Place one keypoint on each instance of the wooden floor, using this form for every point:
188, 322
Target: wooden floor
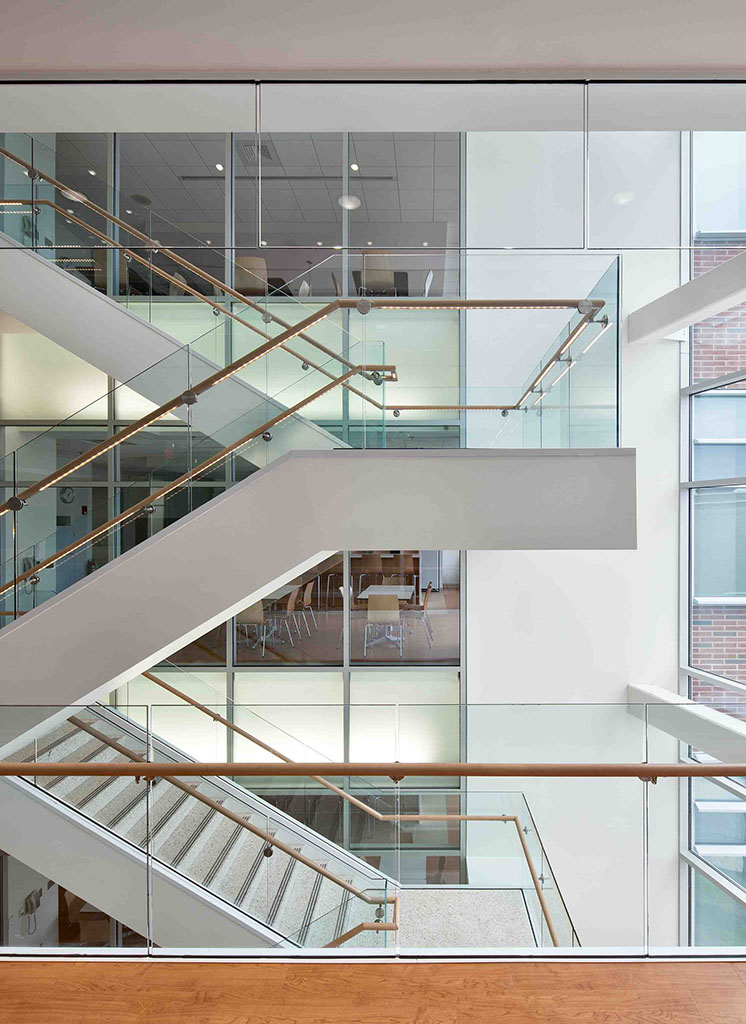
213, 993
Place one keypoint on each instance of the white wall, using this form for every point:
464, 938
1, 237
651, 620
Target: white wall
562, 626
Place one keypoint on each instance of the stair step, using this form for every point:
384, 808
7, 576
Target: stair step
272, 875
75, 788
166, 800
241, 869
172, 847
322, 926
298, 905
42, 745
205, 853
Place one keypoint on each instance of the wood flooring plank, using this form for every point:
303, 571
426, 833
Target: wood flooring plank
382, 993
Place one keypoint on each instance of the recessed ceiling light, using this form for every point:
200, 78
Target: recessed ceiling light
370, 243
262, 242
622, 198
209, 241
128, 211
426, 244
69, 211
319, 243
92, 172
219, 167
350, 202
354, 167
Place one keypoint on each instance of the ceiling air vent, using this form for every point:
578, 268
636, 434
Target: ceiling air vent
249, 152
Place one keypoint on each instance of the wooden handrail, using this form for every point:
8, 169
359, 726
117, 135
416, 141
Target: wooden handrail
388, 372
370, 810
138, 761
594, 305
188, 395
133, 254
395, 770
150, 243
280, 341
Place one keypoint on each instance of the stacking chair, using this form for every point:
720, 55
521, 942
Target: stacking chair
370, 565
384, 622
419, 611
251, 275
330, 584
253, 617
307, 605
289, 616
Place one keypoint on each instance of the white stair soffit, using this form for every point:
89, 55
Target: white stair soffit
283, 520
116, 341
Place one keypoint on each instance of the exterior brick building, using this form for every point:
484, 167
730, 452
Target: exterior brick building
718, 632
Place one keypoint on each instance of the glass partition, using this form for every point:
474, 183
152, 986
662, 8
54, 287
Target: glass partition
546, 864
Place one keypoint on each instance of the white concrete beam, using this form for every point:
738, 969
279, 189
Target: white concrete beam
704, 728
720, 288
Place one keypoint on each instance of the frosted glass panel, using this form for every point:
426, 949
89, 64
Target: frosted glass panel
634, 189
524, 189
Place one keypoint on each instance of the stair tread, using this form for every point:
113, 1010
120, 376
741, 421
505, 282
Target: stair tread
241, 863
169, 847
298, 905
164, 799
259, 899
34, 748
204, 853
73, 789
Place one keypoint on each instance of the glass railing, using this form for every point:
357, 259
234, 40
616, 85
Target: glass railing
114, 242
157, 474
265, 875
554, 860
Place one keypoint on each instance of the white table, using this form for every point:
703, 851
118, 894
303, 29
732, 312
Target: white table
402, 593
282, 592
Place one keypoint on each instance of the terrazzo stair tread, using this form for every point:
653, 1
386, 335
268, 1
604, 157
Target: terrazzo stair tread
101, 797
165, 802
321, 928
172, 822
241, 868
75, 787
171, 847
258, 901
133, 811
298, 901
114, 808
205, 853
438, 917
75, 748
45, 744
80, 796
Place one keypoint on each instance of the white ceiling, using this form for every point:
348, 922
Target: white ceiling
513, 38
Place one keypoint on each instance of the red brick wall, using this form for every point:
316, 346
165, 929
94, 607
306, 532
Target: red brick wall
718, 344
719, 646
719, 633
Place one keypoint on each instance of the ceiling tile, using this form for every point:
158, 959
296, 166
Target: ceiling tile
445, 198
416, 198
415, 177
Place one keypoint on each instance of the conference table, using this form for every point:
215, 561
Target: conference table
402, 593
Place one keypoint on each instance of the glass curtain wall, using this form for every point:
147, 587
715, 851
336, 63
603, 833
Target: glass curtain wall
714, 518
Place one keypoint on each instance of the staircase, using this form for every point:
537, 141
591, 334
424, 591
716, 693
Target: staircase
266, 879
